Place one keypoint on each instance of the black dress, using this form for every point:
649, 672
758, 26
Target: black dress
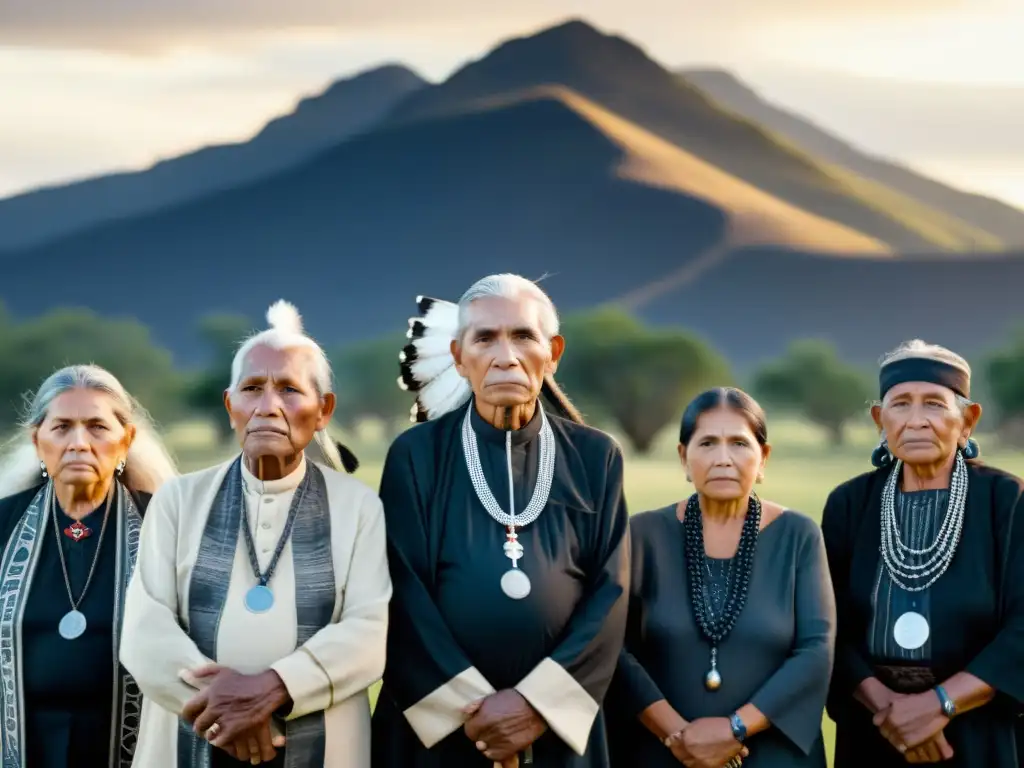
777, 657
448, 613
68, 685
975, 611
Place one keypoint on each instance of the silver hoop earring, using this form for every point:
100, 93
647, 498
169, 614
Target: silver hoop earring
42, 467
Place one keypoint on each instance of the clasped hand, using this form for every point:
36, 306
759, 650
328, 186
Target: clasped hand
914, 725
241, 707
502, 725
707, 742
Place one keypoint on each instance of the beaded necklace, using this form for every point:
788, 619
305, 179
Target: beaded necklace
715, 628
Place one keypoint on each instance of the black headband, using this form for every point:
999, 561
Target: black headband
923, 369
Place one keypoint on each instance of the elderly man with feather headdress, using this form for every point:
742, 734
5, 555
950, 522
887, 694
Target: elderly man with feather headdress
507, 538
257, 615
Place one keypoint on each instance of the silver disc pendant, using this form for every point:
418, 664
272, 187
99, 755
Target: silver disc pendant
259, 599
712, 680
72, 625
515, 584
911, 631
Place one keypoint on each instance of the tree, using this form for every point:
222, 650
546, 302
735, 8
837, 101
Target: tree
812, 380
638, 377
367, 375
35, 349
204, 393
1005, 374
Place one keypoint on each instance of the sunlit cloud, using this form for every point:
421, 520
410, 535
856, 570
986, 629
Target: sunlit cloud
154, 25
976, 46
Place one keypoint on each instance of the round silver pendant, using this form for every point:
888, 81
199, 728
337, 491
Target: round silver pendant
259, 599
72, 625
911, 631
515, 584
712, 680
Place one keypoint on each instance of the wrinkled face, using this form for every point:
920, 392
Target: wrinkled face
922, 422
81, 439
503, 352
723, 458
275, 410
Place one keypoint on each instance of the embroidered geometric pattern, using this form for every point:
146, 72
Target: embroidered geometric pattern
16, 570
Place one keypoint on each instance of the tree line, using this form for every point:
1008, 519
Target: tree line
619, 371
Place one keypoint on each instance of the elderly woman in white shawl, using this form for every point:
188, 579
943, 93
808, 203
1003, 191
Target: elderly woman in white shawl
257, 617
74, 484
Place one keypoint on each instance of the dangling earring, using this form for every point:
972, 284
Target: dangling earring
42, 466
759, 478
971, 450
880, 457
120, 468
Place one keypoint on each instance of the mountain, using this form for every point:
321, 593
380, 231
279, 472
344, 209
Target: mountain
533, 186
753, 303
546, 184
571, 155
619, 76
347, 107
993, 216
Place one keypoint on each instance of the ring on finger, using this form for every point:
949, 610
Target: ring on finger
212, 731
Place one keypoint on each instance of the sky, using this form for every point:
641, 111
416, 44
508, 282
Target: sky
92, 86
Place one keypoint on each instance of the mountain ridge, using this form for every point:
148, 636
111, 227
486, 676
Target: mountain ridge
504, 166
344, 108
988, 213
620, 76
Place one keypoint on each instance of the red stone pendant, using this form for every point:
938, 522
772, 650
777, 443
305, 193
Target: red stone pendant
76, 531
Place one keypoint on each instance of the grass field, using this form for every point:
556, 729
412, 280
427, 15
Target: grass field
803, 467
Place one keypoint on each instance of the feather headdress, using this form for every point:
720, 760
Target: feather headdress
428, 368
426, 362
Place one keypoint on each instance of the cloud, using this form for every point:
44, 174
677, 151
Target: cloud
900, 118
157, 24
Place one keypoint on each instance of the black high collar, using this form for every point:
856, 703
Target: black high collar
491, 433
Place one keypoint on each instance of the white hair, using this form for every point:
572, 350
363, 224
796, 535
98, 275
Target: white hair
508, 286
286, 332
148, 463
918, 349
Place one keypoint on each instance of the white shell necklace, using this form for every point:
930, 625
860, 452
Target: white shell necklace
899, 558
514, 583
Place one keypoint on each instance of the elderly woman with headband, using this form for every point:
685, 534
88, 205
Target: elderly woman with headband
73, 487
927, 560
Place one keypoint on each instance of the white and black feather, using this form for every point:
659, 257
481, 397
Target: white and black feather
426, 365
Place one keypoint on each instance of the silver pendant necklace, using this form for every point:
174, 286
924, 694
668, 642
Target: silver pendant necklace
260, 597
73, 624
514, 583
915, 570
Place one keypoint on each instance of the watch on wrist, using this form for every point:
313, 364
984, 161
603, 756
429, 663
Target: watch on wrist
948, 705
739, 730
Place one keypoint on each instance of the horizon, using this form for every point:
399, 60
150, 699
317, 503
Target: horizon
921, 102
